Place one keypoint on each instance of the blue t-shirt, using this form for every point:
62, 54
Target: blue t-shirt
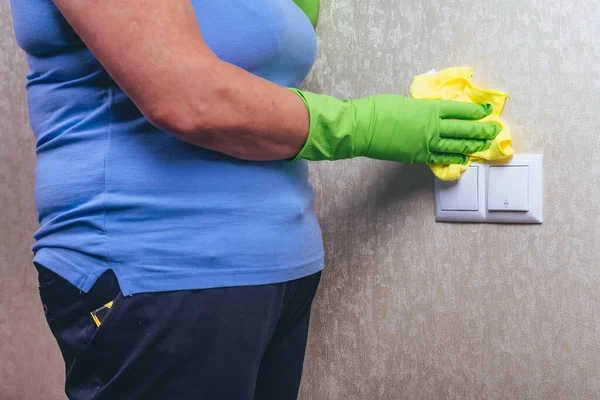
114, 192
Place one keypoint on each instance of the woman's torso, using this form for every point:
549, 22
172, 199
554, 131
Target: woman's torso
113, 191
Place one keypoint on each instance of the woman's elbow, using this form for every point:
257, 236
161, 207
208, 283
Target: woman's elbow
177, 118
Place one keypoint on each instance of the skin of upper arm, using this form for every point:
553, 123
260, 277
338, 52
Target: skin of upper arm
151, 48
146, 46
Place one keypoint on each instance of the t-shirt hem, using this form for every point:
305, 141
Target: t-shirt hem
69, 268
192, 281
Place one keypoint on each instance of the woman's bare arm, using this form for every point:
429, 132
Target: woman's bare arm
155, 52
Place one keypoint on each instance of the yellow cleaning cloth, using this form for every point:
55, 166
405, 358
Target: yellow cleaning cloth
456, 84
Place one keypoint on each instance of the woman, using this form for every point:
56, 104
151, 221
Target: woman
178, 250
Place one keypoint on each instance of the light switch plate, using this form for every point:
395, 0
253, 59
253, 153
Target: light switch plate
463, 190
535, 162
461, 195
526, 208
508, 188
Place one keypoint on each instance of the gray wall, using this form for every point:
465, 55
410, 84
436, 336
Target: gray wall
411, 309
407, 309
29, 358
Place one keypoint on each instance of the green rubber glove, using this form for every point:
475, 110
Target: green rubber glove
310, 8
395, 128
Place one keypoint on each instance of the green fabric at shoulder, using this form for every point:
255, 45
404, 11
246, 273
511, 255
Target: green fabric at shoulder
310, 8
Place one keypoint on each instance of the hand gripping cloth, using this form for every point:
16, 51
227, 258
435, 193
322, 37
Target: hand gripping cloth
457, 84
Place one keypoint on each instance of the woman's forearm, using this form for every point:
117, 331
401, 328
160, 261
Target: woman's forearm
236, 113
155, 52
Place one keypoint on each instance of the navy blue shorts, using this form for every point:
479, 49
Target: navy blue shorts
236, 343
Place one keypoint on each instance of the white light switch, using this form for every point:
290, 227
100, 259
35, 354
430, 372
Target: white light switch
508, 188
461, 195
468, 190
506, 191
449, 195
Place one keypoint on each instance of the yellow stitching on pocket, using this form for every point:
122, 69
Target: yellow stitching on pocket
98, 315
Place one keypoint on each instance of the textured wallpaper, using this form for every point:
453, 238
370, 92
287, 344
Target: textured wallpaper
30, 364
413, 309
408, 308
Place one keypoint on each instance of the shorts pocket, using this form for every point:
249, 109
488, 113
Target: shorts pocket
94, 333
